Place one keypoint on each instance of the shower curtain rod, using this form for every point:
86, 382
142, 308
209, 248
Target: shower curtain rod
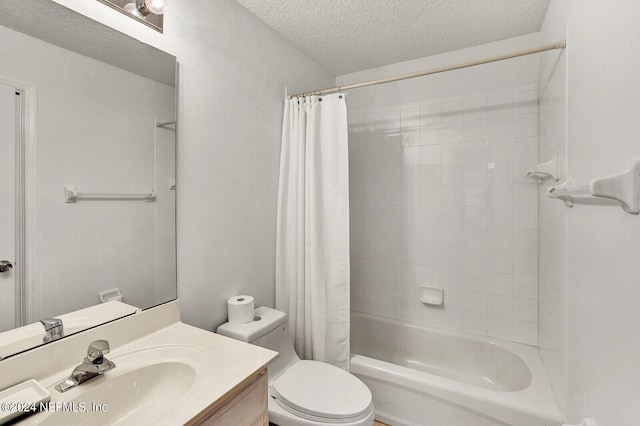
557, 45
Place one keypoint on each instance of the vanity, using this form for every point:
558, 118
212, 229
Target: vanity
166, 373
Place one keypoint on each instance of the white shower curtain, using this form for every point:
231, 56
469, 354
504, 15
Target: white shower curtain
312, 252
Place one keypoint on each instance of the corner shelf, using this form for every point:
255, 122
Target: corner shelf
623, 188
544, 171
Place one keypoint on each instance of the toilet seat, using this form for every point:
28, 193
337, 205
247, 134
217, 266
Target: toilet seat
322, 393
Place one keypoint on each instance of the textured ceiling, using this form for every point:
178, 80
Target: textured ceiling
353, 35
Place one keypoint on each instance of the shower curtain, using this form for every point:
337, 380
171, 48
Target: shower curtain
312, 249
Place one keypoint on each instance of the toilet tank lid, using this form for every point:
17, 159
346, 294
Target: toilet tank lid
265, 320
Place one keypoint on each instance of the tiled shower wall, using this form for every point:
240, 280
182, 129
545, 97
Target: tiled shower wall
553, 127
439, 198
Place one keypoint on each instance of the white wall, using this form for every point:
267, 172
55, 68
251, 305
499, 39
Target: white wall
95, 129
602, 371
233, 70
439, 195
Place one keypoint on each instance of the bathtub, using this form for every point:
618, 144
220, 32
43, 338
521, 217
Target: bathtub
427, 377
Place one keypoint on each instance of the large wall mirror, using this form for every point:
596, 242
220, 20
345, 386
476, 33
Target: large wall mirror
87, 174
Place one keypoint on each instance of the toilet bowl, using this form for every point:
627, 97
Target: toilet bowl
302, 392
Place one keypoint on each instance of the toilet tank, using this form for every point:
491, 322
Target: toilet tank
265, 320
268, 330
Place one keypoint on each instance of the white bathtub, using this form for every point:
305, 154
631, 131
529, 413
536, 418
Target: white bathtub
426, 377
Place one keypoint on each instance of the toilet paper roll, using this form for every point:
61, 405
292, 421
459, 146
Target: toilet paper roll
240, 309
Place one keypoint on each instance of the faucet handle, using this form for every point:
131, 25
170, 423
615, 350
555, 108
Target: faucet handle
50, 323
97, 350
53, 329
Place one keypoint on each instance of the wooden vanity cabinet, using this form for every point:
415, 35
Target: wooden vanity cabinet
246, 404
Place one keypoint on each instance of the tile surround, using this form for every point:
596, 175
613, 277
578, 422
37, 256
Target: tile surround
438, 197
553, 243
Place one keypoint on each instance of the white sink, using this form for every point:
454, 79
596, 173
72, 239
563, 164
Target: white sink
144, 388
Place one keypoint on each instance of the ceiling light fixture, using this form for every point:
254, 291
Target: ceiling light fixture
146, 7
149, 12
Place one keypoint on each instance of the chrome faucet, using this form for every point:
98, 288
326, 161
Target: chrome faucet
94, 364
53, 329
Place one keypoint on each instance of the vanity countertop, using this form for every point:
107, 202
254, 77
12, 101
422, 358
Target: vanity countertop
201, 367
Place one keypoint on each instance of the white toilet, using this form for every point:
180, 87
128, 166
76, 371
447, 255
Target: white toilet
309, 393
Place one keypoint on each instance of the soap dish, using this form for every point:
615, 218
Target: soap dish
21, 399
431, 295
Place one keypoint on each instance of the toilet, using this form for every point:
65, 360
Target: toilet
301, 392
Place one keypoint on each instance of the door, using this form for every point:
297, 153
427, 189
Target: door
8, 157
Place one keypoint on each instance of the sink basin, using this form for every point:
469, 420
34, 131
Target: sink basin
129, 398
144, 388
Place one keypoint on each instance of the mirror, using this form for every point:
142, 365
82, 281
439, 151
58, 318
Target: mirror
87, 173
